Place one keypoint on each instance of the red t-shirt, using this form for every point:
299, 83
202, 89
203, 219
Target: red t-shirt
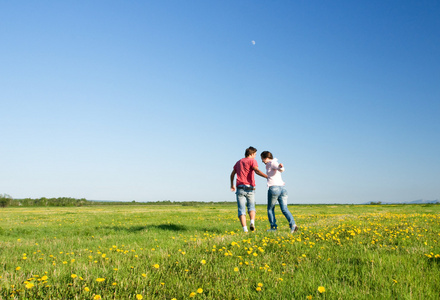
245, 171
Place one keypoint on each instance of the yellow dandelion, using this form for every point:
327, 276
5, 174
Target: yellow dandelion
44, 278
114, 283
174, 299
73, 276
139, 297
29, 285
203, 261
156, 266
17, 268
100, 280
260, 284
97, 297
321, 289
309, 297
199, 291
144, 275
235, 269
86, 289
258, 289
192, 294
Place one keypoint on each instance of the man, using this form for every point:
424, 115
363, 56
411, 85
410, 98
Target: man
245, 168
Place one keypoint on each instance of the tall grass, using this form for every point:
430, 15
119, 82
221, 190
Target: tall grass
167, 252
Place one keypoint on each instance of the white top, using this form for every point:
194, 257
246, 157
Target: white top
273, 172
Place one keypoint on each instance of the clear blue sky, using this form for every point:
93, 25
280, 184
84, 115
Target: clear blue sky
157, 100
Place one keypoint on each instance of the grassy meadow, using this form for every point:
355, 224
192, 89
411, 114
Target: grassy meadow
200, 252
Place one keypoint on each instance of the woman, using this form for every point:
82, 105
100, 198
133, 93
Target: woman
276, 192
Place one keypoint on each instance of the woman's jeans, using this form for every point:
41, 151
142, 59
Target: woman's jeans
278, 194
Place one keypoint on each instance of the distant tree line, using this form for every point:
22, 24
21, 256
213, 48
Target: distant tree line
376, 203
6, 200
162, 202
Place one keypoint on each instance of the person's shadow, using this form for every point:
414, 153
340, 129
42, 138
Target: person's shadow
170, 227
165, 227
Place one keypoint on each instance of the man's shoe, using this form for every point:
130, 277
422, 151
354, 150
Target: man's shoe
272, 230
252, 227
294, 229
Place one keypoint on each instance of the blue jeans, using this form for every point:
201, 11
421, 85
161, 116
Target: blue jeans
278, 194
245, 198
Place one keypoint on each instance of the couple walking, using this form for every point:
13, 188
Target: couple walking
244, 169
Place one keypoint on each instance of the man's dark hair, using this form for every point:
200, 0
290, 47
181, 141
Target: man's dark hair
266, 154
249, 151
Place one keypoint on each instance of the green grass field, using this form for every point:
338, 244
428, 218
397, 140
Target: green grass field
200, 252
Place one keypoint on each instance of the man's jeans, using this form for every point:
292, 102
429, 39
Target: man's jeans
245, 198
274, 194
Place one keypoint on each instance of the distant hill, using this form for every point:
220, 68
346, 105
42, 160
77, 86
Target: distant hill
421, 201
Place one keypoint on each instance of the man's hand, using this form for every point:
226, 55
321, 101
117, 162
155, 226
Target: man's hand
258, 172
232, 180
